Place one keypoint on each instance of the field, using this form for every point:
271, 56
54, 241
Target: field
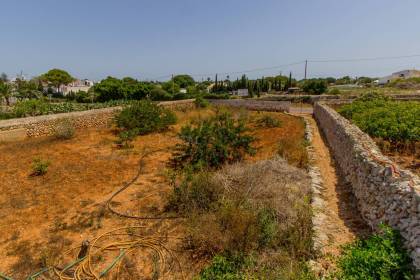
43, 217
395, 126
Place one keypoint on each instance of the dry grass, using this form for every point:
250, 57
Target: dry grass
246, 190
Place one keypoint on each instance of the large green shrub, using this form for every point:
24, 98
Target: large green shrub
315, 86
144, 117
379, 257
213, 142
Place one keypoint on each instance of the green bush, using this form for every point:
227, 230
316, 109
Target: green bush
144, 117
200, 102
159, 94
39, 167
381, 256
213, 142
315, 86
223, 268
334, 91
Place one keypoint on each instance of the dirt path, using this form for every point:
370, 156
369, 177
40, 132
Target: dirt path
342, 222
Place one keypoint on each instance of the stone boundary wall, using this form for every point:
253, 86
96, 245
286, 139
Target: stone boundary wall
18, 129
254, 105
384, 192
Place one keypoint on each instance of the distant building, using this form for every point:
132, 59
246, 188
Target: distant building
76, 86
240, 92
183, 90
405, 74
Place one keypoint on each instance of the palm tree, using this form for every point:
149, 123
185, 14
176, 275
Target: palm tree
6, 92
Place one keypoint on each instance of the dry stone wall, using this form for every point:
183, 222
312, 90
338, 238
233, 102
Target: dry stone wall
385, 193
255, 105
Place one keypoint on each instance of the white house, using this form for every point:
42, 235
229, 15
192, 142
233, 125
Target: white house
405, 74
76, 86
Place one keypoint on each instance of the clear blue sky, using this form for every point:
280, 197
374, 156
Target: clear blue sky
148, 39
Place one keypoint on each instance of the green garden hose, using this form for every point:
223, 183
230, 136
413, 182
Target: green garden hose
2, 276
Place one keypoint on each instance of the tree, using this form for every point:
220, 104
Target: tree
27, 89
109, 89
3, 77
171, 87
183, 80
57, 78
134, 89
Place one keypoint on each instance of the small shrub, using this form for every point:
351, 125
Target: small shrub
222, 268
141, 118
64, 129
268, 121
39, 167
381, 256
334, 91
201, 102
125, 138
159, 94
213, 142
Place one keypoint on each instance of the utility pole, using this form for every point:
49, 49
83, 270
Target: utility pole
306, 67
173, 86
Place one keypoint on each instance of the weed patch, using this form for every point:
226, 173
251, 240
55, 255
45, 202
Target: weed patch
39, 167
268, 121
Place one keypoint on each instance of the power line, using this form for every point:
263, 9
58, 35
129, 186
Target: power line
363, 59
298, 63
238, 72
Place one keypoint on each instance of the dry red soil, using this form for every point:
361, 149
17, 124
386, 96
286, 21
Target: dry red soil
42, 217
